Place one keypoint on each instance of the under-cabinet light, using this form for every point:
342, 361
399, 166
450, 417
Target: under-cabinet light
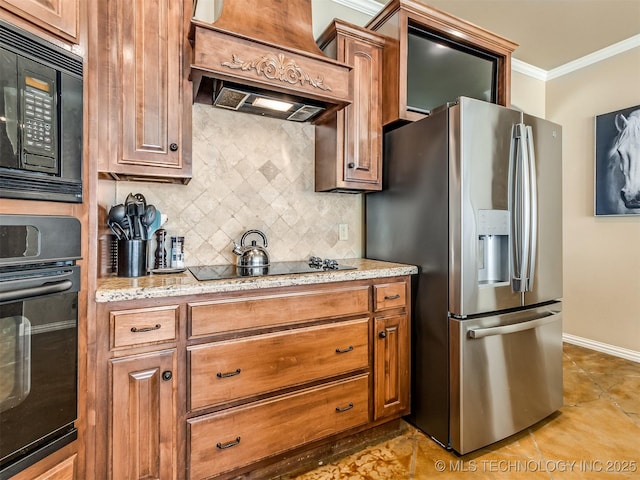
272, 104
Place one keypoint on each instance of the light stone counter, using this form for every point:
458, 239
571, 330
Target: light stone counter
111, 289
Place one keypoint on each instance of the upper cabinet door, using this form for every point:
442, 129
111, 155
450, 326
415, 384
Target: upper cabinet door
349, 142
363, 118
151, 131
59, 17
150, 35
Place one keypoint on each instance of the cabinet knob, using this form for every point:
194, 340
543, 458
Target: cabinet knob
382, 334
351, 165
167, 375
173, 147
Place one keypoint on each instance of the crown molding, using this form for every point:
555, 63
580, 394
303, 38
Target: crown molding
595, 57
370, 7
529, 70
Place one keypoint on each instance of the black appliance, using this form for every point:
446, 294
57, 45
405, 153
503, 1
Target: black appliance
39, 284
40, 119
222, 272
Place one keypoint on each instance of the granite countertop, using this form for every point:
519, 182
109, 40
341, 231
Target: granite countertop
111, 289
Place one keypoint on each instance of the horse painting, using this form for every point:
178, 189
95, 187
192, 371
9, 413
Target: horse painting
618, 163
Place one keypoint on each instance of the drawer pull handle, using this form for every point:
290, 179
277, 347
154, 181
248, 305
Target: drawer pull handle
230, 444
392, 297
228, 374
146, 329
344, 409
344, 350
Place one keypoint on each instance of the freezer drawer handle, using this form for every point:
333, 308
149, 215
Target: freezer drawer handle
516, 327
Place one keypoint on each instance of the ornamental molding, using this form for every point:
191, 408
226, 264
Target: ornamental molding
277, 67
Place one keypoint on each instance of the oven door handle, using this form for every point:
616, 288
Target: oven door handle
47, 288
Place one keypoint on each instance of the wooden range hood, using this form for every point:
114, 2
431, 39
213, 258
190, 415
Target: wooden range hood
265, 48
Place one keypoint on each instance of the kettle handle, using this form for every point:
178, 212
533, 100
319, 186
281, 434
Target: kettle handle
249, 232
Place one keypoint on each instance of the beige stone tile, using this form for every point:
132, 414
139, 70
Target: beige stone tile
251, 172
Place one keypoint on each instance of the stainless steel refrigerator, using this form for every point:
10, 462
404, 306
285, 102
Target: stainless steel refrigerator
473, 196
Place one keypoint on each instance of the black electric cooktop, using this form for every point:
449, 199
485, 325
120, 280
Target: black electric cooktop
220, 272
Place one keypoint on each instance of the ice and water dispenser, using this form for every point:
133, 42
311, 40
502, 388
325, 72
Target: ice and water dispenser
493, 246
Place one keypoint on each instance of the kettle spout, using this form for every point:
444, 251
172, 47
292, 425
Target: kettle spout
237, 248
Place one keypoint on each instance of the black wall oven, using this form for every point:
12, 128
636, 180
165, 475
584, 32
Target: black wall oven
40, 119
39, 284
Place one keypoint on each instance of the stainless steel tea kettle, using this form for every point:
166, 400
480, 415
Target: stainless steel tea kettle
252, 255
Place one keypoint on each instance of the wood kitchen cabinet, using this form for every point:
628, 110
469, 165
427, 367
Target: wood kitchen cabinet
232, 438
394, 21
392, 357
278, 369
228, 384
138, 417
349, 143
392, 363
147, 92
58, 17
143, 417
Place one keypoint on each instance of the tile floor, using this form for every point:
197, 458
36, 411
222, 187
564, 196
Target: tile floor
595, 435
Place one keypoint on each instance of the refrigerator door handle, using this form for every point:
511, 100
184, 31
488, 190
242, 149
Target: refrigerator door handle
545, 318
533, 208
520, 207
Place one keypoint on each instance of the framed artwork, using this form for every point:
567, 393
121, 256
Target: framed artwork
617, 165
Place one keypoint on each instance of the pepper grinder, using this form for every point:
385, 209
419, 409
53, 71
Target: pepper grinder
161, 249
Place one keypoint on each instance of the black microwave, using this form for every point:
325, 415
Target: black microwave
40, 119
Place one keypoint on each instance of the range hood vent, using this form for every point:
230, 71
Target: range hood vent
261, 52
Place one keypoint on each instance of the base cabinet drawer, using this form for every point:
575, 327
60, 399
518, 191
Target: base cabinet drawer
210, 318
224, 371
239, 436
389, 295
144, 325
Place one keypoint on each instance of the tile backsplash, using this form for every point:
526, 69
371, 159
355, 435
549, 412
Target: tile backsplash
253, 172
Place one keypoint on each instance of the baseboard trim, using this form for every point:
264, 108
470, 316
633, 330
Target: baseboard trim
602, 347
